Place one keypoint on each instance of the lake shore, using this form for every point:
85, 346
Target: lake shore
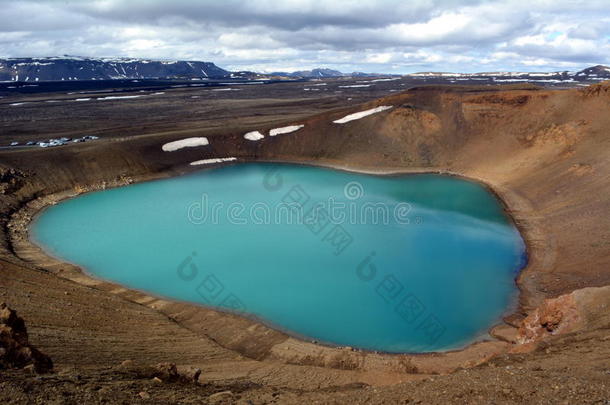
268, 342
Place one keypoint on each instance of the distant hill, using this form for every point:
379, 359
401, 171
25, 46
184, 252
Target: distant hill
82, 68
78, 68
322, 73
309, 74
594, 73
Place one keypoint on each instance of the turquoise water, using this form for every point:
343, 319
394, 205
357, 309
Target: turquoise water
397, 264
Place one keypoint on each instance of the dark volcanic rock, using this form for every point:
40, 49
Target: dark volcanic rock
11, 180
15, 350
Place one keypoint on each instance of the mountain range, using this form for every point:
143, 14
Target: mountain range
323, 73
78, 68
83, 68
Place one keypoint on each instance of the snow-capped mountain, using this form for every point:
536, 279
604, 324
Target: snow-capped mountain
77, 68
69, 68
595, 73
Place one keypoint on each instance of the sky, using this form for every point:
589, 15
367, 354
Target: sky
383, 36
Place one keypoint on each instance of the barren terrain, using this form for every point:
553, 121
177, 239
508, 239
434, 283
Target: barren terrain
544, 152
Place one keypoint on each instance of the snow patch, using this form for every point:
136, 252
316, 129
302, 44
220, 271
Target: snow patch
185, 143
354, 85
82, 99
254, 136
362, 114
285, 130
213, 160
534, 80
116, 97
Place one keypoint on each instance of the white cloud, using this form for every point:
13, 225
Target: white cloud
560, 48
391, 35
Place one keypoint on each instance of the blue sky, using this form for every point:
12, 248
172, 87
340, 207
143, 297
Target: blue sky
391, 36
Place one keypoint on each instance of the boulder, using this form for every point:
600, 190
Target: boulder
166, 372
189, 374
584, 309
15, 350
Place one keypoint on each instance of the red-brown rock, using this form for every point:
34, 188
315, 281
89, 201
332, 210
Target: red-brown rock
587, 308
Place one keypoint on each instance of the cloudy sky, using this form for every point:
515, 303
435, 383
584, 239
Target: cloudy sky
393, 36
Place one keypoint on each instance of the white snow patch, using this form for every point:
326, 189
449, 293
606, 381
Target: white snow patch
33, 63
254, 136
362, 114
355, 85
285, 130
16, 104
213, 160
158, 93
243, 84
117, 97
534, 80
185, 143
385, 80
82, 99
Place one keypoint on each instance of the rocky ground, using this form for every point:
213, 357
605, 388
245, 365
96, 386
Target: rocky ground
543, 152
571, 369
